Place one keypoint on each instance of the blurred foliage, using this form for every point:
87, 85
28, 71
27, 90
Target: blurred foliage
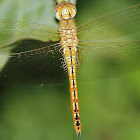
110, 109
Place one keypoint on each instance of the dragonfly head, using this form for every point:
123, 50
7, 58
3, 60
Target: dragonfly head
65, 11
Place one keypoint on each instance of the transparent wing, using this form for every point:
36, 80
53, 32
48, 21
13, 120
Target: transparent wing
21, 52
32, 63
111, 26
108, 59
11, 31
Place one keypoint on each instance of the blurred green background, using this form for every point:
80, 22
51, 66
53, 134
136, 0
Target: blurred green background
109, 108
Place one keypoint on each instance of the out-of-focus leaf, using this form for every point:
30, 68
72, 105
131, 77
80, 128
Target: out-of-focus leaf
25, 11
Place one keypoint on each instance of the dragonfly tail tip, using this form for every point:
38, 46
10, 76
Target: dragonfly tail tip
78, 135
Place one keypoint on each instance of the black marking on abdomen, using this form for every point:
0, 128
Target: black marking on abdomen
77, 123
77, 117
75, 107
73, 82
74, 94
72, 70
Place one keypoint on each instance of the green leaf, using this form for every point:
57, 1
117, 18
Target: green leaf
37, 12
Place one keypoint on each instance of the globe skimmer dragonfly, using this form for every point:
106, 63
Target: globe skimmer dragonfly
100, 39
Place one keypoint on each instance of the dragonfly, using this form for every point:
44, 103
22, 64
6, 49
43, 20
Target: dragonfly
70, 48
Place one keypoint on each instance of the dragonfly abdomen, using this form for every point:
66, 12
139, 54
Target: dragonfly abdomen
70, 56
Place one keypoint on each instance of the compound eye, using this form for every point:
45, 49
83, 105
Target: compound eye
57, 10
72, 8
58, 6
70, 5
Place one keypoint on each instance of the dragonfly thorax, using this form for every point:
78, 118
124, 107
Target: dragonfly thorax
65, 11
68, 33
